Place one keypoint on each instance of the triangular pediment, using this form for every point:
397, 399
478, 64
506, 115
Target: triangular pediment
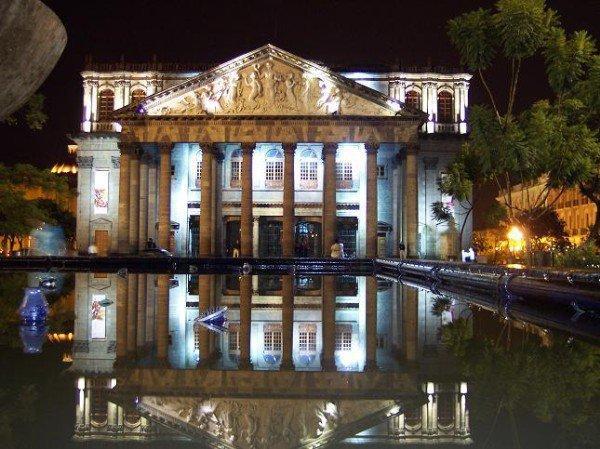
269, 81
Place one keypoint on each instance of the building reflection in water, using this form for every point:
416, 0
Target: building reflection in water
322, 359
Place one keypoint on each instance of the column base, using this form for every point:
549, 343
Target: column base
245, 365
328, 365
371, 365
287, 365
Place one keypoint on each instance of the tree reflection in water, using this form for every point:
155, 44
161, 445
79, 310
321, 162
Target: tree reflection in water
520, 383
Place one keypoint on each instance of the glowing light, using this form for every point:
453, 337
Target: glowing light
430, 388
516, 241
463, 388
330, 408
81, 383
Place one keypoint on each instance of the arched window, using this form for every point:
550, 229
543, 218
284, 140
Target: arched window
274, 169
309, 164
413, 99
236, 169
444, 107
106, 104
137, 95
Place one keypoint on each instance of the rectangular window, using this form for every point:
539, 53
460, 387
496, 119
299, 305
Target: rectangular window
274, 174
343, 340
272, 341
307, 341
344, 175
198, 173
382, 172
308, 175
234, 340
100, 199
98, 317
236, 174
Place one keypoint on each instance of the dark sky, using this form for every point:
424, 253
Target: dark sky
351, 33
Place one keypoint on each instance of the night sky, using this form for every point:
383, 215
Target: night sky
336, 33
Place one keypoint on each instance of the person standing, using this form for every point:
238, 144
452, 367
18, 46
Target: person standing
337, 250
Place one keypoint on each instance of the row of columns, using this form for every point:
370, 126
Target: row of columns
131, 319
134, 194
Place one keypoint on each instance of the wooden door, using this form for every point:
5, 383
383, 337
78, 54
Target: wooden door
101, 241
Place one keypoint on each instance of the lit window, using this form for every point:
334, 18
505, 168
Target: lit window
307, 338
445, 107
309, 165
274, 169
343, 340
137, 95
233, 340
236, 169
272, 341
106, 104
198, 175
343, 174
382, 172
413, 99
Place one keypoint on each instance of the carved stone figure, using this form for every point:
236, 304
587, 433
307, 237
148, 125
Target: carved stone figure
253, 81
270, 79
290, 95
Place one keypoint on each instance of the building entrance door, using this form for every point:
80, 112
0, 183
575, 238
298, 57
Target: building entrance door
270, 237
308, 239
101, 241
232, 237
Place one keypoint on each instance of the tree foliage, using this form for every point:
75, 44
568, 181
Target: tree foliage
554, 140
32, 114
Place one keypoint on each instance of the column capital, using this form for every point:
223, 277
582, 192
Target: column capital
330, 148
210, 147
372, 147
248, 147
165, 147
289, 147
412, 148
131, 148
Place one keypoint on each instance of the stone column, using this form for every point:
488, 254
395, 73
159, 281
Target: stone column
142, 305
255, 236
371, 209
328, 324
132, 296
329, 215
152, 197
204, 303
123, 219
121, 318
287, 322
411, 200
245, 321
287, 234
246, 213
371, 323
134, 201
162, 318
206, 200
410, 322
143, 208
164, 195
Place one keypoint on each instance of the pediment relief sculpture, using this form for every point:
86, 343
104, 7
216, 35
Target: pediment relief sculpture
270, 88
269, 81
273, 423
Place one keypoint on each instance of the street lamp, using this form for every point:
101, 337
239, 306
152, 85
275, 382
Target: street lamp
516, 239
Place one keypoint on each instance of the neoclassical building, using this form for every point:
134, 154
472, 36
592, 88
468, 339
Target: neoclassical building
269, 153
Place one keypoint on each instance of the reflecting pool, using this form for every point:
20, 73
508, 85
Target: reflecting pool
292, 361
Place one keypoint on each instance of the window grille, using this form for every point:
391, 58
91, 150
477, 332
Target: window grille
413, 99
272, 341
445, 107
137, 95
106, 104
344, 174
343, 340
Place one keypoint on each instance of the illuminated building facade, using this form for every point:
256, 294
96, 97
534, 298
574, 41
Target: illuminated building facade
268, 153
312, 360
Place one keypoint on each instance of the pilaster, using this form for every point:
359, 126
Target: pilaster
371, 208
206, 200
246, 230
164, 194
288, 234
329, 197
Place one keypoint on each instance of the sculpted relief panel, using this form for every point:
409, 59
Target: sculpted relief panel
270, 88
272, 423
